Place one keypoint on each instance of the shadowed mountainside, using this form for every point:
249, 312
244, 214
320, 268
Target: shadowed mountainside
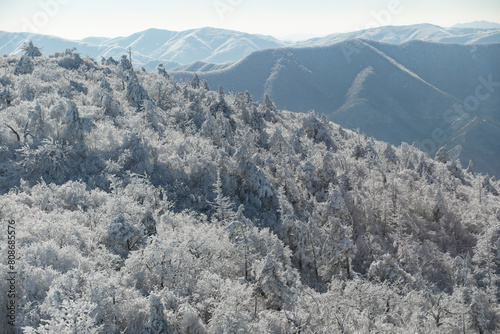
413, 92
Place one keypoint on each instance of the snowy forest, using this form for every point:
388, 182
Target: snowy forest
143, 204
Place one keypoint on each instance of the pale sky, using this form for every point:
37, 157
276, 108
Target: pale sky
76, 19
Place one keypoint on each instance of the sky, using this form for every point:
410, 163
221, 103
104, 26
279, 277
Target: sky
76, 19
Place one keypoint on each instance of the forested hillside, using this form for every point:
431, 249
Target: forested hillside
396, 93
146, 205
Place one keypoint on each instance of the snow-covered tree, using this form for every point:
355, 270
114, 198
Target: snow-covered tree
31, 50
162, 71
268, 103
121, 236
223, 209
136, 94
196, 82
157, 322
24, 66
125, 63
442, 155
275, 280
70, 59
73, 126
390, 154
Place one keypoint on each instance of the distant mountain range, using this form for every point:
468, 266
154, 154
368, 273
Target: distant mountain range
478, 25
396, 93
211, 45
395, 83
154, 46
422, 32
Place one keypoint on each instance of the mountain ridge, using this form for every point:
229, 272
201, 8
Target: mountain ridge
320, 78
214, 45
401, 34
478, 25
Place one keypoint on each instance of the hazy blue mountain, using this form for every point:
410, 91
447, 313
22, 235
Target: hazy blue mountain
478, 25
201, 66
402, 34
152, 65
393, 92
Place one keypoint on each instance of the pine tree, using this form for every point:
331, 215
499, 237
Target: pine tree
196, 82
136, 94
290, 231
222, 206
442, 155
31, 50
485, 260
73, 126
274, 282
390, 154
125, 63
24, 66
156, 323
470, 168
35, 126
162, 71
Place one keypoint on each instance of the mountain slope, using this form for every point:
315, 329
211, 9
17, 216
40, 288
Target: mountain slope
392, 92
138, 204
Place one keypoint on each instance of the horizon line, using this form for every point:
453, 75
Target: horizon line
281, 37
